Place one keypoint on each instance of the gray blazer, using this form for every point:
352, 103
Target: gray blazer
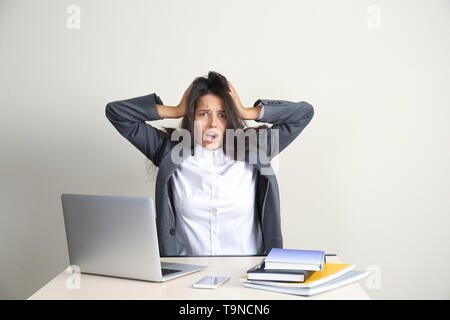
129, 116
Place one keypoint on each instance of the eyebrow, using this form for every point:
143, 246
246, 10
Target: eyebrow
221, 110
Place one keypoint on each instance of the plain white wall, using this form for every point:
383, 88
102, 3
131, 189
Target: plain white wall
368, 179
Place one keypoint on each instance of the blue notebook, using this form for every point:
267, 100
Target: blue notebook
290, 259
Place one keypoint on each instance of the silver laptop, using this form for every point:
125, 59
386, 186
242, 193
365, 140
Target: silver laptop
116, 236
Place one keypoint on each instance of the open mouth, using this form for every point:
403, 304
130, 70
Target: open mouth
211, 137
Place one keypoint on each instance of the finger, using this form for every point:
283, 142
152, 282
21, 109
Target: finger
190, 88
230, 87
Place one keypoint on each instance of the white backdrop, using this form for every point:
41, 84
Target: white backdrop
368, 179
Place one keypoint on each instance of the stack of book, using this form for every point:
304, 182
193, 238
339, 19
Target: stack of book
300, 272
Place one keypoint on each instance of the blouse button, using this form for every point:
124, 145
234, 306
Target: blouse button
172, 231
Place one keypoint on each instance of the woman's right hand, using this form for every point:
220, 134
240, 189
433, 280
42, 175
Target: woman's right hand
181, 107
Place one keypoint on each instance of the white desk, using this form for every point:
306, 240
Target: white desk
102, 287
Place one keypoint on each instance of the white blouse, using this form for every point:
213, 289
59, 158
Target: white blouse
214, 199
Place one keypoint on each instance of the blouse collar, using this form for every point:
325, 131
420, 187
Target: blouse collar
216, 156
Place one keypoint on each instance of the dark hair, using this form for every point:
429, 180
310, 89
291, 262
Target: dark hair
216, 84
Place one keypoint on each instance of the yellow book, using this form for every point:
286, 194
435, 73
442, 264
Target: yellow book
329, 272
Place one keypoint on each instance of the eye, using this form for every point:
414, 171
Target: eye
223, 115
202, 113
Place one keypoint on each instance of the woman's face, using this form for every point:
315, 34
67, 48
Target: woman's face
210, 121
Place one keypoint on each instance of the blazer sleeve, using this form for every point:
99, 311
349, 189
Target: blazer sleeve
289, 118
129, 116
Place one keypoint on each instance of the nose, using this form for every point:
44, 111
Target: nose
213, 121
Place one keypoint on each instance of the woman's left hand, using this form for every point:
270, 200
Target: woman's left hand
246, 113
235, 97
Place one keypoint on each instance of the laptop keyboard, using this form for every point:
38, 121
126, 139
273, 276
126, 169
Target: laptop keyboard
166, 271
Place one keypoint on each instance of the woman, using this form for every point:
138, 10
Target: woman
213, 201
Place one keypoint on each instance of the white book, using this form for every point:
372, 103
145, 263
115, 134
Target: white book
347, 278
